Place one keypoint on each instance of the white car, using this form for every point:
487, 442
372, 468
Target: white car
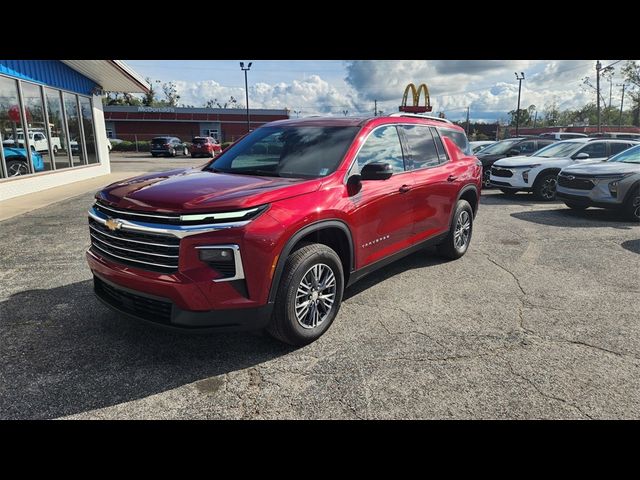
37, 139
480, 145
538, 173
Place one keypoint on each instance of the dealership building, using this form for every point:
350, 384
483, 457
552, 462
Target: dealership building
225, 124
52, 124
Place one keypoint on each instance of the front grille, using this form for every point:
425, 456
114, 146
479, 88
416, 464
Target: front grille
147, 251
575, 182
169, 218
158, 311
501, 172
226, 269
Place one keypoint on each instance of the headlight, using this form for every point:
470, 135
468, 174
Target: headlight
222, 217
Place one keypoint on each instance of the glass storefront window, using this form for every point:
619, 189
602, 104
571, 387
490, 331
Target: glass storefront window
73, 123
36, 126
15, 156
89, 132
58, 131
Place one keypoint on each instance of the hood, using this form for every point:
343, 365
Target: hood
12, 152
489, 159
602, 168
196, 190
523, 161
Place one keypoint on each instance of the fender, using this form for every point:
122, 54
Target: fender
544, 172
467, 187
295, 238
634, 188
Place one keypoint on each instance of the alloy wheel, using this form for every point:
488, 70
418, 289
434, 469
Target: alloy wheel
636, 207
548, 188
462, 230
315, 296
17, 168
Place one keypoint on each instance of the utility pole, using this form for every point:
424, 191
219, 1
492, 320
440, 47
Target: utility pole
598, 67
246, 91
519, 78
623, 85
468, 121
375, 108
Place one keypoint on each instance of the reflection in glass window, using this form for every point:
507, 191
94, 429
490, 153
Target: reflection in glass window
89, 131
422, 148
58, 132
15, 155
73, 123
383, 146
38, 135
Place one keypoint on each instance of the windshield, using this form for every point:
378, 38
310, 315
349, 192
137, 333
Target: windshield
631, 155
282, 151
501, 147
560, 149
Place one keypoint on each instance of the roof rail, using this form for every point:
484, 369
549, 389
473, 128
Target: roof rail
418, 115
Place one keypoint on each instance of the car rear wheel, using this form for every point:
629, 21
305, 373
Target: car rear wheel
185, 152
309, 295
545, 187
632, 207
457, 240
172, 152
575, 206
17, 167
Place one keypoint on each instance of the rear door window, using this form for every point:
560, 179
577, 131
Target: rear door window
422, 148
618, 147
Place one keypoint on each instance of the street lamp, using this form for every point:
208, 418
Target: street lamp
246, 91
519, 78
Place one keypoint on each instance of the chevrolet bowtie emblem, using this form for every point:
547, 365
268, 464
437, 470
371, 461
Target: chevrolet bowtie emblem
570, 177
113, 224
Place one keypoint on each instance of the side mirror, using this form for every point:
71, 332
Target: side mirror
376, 171
581, 156
513, 152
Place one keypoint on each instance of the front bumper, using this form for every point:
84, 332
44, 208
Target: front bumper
515, 182
163, 312
584, 200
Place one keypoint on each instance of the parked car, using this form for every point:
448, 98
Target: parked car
168, 146
538, 173
204, 147
562, 135
480, 145
18, 163
614, 184
37, 139
618, 135
260, 239
508, 148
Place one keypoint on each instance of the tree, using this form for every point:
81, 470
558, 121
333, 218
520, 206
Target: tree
551, 113
171, 94
631, 72
231, 103
149, 98
524, 117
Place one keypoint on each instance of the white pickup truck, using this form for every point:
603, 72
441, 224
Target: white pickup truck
37, 139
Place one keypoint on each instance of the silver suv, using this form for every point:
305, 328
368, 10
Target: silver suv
611, 184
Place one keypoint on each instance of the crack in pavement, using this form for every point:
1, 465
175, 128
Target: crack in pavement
547, 395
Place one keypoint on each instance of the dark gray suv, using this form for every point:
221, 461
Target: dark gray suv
168, 146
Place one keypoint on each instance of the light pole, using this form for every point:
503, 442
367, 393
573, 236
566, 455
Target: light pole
623, 85
246, 91
598, 68
519, 78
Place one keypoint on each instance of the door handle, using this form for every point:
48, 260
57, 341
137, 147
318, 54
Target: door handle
404, 188
451, 178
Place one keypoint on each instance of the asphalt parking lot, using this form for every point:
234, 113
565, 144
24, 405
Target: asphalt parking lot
540, 319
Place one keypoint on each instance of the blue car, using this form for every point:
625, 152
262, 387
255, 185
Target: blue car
17, 162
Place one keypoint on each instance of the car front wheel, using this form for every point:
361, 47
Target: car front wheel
457, 240
185, 152
545, 187
632, 207
17, 167
309, 295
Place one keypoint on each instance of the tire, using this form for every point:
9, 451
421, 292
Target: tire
544, 187
576, 206
631, 207
172, 152
299, 269
508, 192
16, 168
486, 174
55, 149
185, 152
154, 155
456, 243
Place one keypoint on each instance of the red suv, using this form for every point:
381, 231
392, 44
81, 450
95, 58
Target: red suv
271, 232
205, 147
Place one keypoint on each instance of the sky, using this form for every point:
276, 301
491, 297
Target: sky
329, 87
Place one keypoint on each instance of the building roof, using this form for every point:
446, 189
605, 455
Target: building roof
111, 75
